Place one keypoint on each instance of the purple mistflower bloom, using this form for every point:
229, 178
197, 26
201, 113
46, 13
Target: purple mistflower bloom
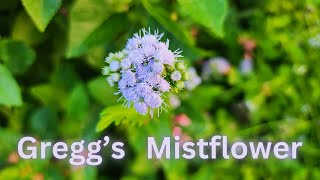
144, 71
153, 100
125, 64
141, 107
165, 56
149, 40
129, 94
136, 57
157, 67
134, 42
164, 86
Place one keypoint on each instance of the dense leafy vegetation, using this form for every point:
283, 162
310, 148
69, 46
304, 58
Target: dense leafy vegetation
265, 88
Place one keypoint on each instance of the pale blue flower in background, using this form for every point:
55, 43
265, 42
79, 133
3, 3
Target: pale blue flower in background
218, 64
315, 41
246, 66
194, 80
174, 101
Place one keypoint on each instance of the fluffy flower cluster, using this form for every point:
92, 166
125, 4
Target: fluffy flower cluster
144, 71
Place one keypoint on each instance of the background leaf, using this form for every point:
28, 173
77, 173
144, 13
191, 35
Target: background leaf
99, 90
71, 100
8, 143
43, 122
17, 56
76, 112
178, 35
10, 93
208, 13
163, 17
85, 17
24, 30
41, 11
104, 34
8, 5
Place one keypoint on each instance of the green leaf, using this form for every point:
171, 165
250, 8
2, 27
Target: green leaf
78, 104
163, 18
209, 13
105, 33
179, 36
8, 143
16, 117
24, 30
41, 11
10, 93
203, 96
50, 95
17, 56
43, 123
77, 112
65, 77
100, 91
119, 114
85, 17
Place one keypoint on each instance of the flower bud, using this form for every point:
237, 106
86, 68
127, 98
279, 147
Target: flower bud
170, 68
105, 70
186, 76
180, 85
181, 66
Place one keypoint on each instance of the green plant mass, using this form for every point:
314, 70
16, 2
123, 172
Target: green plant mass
146, 89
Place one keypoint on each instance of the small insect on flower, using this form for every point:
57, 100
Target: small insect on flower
144, 71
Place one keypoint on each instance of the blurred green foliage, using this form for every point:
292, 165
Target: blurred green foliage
52, 52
